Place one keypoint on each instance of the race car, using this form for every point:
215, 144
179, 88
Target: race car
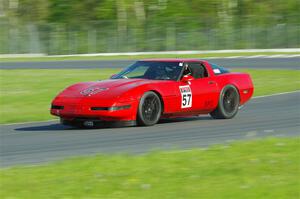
152, 89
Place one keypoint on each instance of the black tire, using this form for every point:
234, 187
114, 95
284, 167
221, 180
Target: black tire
149, 109
228, 104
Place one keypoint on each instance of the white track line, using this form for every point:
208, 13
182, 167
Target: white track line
256, 56
282, 56
291, 56
233, 57
275, 94
284, 50
276, 56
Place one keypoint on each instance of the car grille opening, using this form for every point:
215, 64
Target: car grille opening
99, 108
113, 108
57, 107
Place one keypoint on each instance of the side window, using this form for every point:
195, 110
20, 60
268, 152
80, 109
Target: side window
198, 70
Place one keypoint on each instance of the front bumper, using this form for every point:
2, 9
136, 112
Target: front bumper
114, 112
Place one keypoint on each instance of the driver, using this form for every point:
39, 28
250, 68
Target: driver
187, 70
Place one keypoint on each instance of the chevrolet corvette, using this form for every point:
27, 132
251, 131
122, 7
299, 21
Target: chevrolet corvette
152, 89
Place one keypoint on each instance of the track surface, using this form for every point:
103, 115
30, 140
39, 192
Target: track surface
34, 143
263, 63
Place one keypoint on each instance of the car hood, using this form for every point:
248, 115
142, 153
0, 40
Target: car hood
107, 89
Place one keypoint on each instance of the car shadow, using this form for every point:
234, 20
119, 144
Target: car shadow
60, 127
183, 119
47, 127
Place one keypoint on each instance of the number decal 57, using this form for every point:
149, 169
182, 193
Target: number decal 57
186, 96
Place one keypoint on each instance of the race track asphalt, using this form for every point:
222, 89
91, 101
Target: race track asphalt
257, 63
35, 143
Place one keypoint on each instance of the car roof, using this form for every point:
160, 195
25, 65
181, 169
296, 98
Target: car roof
173, 60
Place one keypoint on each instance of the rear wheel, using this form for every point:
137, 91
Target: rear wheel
149, 109
228, 103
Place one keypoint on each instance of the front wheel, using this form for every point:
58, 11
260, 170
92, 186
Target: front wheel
149, 109
228, 103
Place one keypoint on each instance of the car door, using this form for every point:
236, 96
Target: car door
200, 94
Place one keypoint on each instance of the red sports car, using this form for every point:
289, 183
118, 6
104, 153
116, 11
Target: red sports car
152, 89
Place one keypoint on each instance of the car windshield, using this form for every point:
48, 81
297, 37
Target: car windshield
151, 70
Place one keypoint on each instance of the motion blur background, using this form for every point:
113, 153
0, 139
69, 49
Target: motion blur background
183, 157
94, 26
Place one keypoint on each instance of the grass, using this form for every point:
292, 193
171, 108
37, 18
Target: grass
268, 168
135, 57
26, 94
268, 82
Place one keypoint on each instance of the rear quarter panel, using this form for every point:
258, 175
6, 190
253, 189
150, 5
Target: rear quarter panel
242, 81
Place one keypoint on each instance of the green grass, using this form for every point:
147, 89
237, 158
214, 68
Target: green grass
25, 95
273, 81
268, 168
135, 57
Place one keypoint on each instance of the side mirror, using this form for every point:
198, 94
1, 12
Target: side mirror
187, 78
